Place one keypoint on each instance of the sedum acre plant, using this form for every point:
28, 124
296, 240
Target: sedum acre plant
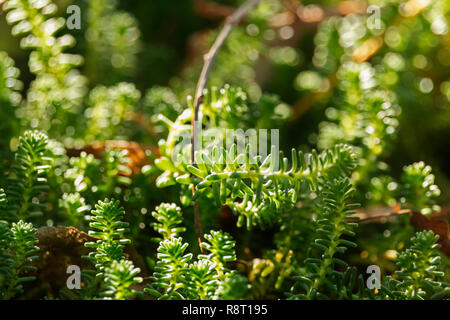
299, 159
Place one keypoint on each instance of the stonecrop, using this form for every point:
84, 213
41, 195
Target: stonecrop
361, 108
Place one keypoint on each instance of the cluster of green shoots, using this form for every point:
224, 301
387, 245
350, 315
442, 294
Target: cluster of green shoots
305, 202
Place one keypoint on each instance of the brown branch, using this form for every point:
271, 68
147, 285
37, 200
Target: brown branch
373, 45
137, 153
436, 221
55, 242
301, 18
438, 224
143, 121
301, 106
230, 22
365, 217
212, 10
63, 246
364, 52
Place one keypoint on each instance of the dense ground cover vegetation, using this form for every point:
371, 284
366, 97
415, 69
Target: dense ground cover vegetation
93, 174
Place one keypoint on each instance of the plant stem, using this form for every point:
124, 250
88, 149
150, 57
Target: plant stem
230, 22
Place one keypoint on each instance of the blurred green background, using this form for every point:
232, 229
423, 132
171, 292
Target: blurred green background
288, 56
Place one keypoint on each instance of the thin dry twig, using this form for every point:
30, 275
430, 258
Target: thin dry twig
212, 10
364, 52
437, 221
364, 217
230, 22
